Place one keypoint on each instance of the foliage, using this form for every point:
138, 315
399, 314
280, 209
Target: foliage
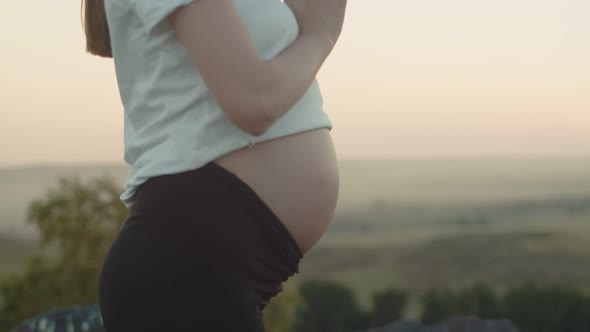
535, 309
328, 307
387, 306
531, 308
78, 221
437, 304
279, 314
477, 300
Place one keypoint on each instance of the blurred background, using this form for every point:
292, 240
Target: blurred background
463, 135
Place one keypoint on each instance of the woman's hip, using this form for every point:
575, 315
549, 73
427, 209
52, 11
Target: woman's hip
200, 222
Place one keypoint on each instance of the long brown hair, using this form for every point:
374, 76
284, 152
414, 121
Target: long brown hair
96, 28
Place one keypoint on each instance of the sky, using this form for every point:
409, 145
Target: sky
407, 79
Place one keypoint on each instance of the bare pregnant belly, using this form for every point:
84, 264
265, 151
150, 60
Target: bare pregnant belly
296, 176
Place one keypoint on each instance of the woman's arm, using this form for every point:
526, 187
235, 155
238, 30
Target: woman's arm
253, 93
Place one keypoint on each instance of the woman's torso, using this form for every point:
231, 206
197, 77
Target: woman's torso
296, 176
171, 127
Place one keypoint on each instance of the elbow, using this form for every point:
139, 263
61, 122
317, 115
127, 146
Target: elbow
253, 127
252, 115
257, 131
255, 121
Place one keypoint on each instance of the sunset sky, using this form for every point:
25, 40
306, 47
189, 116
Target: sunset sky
408, 79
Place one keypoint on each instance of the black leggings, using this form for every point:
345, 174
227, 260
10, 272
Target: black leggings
199, 251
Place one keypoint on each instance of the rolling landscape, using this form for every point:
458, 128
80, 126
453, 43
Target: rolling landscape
408, 224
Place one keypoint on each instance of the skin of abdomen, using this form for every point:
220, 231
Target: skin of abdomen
296, 176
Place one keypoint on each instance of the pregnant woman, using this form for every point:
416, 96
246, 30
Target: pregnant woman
233, 174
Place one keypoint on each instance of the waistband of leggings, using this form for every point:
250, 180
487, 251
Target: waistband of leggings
257, 202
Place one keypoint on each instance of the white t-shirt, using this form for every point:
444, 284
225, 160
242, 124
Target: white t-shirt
171, 122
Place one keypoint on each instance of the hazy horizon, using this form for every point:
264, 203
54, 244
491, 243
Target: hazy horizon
500, 158
413, 80
406, 186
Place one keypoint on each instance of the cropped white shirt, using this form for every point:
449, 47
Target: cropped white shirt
171, 122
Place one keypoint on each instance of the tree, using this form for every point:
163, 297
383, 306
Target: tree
478, 300
535, 309
279, 314
328, 307
77, 223
388, 306
437, 305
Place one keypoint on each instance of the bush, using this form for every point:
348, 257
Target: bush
535, 309
531, 308
328, 307
388, 306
